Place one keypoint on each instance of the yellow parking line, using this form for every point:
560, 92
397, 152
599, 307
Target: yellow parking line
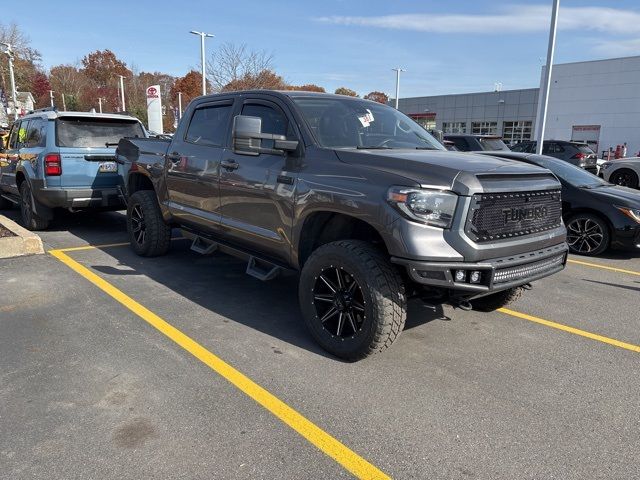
604, 267
575, 331
350, 460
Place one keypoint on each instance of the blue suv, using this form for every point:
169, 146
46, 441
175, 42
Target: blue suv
63, 160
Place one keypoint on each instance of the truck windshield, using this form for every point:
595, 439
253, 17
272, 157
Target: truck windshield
351, 123
86, 132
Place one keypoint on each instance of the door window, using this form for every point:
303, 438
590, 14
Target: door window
274, 120
13, 137
36, 133
209, 125
461, 143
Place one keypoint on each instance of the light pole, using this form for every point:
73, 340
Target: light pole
179, 105
546, 82
51, 97
64, 103
398, 70
202, 37
122, 92
13, 79
100, 104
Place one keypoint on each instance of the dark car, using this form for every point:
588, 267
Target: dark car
576, 153
476, 143
598, 215
355, 196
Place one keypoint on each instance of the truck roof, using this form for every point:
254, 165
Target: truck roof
290, 93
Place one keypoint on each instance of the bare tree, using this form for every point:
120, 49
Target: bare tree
231, 63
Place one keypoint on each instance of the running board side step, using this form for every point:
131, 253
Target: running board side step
262, 270
203, 246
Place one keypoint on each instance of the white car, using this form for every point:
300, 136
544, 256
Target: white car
624, 172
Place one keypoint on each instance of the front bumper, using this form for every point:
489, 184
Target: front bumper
626, 238
80, 197
495, 274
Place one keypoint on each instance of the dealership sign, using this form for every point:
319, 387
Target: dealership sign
154, 109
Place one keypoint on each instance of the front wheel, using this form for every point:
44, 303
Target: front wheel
490, 303
625, 178
352, 299
149, 235
587, 234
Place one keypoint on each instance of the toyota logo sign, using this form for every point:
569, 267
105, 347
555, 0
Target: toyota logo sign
152, 92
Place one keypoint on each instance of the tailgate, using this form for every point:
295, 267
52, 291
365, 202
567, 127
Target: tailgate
81, 167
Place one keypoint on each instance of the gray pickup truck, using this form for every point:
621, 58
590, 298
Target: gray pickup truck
362, 202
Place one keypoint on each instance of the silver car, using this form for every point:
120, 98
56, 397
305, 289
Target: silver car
624, 172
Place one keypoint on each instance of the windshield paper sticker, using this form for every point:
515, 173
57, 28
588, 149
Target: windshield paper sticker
366, 119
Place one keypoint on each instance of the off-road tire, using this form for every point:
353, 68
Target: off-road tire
381, 288
630, 174
497, 300
30, 219
156, 238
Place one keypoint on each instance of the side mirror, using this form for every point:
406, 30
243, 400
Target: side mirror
247, 137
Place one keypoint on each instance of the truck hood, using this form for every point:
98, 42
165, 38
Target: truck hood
463, 173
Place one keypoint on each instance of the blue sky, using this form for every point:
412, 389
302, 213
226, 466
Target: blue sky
445, 46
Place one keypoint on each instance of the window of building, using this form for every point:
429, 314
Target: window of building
516, 132
484, 128
454, 127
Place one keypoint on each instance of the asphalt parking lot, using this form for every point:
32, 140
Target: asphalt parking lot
113, 366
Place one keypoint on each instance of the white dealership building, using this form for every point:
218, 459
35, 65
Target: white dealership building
596, 101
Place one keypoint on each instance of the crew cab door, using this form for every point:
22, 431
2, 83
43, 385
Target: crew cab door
257, 192
193, 163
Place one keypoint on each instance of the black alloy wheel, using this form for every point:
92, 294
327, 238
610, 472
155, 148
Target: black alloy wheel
149, 235
587, 235
625, 178
138, 225
339, 302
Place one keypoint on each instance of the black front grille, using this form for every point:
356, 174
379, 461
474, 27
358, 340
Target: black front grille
499, 216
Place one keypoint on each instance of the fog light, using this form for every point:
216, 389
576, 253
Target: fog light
460, 275
475, 276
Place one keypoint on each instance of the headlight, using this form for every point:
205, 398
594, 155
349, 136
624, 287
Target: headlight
432, 207
633, 213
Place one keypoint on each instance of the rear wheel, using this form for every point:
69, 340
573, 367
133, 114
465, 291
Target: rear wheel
587, 234
149, 235
352, 299
497, 300
30, 219
625, 178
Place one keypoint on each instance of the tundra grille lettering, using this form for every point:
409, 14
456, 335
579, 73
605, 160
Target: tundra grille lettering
498, 216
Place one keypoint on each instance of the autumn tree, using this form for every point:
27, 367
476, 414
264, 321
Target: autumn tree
345, 91
306, 88
376, 96
26, 59
266, 79
190, 86
40, 87
71, 82
232, 63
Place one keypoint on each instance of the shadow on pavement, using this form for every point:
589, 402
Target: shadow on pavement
219, 284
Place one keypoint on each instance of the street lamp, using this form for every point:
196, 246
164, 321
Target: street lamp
202, 37
546, 82
9, 53
122, 92
179, 105
397, 70
100, 103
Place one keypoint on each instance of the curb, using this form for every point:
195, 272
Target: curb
22, 243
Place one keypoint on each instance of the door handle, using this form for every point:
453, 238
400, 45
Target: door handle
229, 165
174, 158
